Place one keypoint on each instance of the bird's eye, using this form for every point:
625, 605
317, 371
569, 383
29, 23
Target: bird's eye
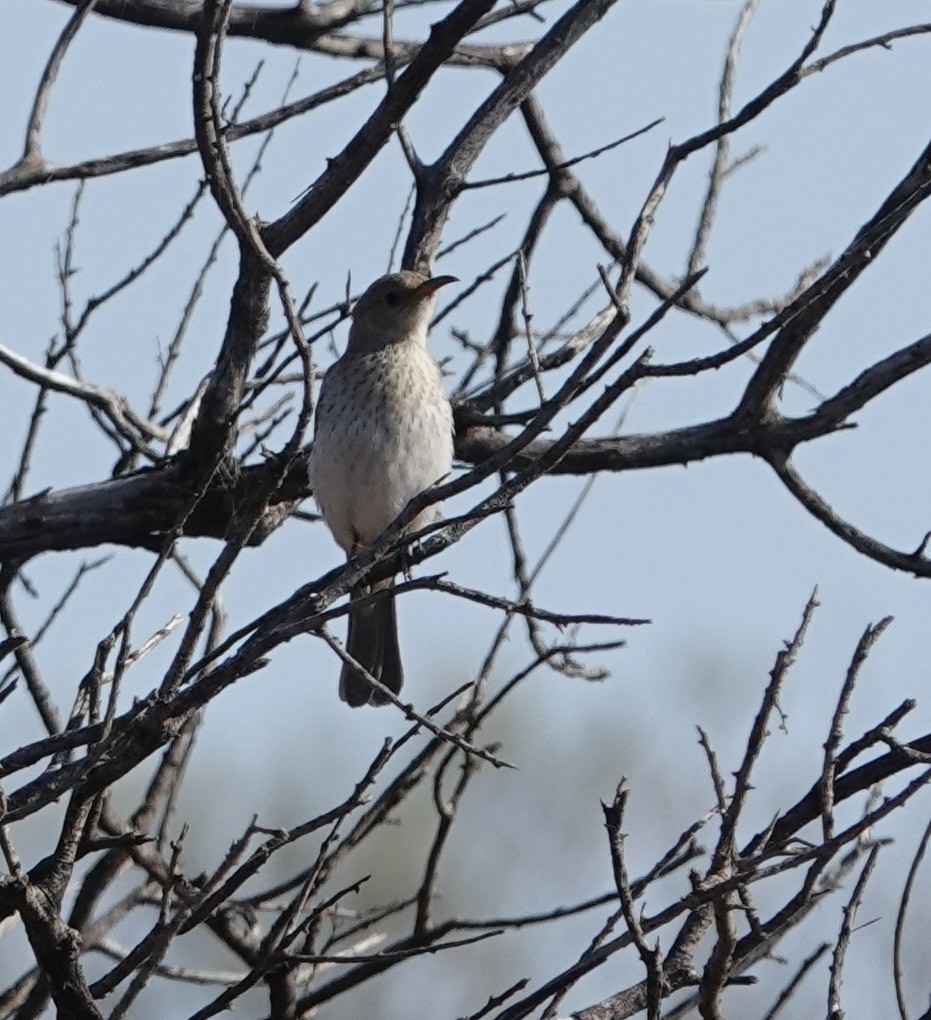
392, 298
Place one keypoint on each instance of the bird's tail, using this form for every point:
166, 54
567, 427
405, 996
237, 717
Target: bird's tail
373, 642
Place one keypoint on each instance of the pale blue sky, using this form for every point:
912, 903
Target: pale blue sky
718, 555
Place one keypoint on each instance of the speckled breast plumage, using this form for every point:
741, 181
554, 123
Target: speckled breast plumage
383, 434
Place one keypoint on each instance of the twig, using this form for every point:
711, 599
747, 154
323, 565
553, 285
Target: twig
843, 941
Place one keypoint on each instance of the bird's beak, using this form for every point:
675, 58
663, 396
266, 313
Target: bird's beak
432, 285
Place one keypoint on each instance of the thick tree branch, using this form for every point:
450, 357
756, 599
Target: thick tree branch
438, 185
796, 324
301, 26
344, 169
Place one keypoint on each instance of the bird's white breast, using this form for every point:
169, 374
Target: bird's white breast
384, 433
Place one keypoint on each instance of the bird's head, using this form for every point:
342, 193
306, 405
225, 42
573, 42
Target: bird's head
395, 308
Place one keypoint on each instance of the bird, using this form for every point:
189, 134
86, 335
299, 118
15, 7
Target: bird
383, 433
